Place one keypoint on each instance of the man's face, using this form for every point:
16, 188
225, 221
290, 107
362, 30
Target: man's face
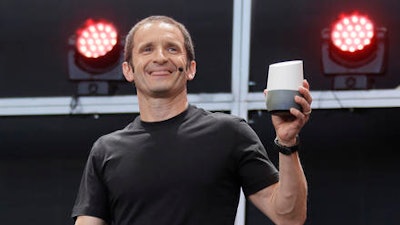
157, 55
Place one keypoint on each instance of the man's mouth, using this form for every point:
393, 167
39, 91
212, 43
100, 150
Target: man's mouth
160, 73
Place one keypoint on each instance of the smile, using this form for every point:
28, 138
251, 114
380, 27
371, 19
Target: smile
160, 73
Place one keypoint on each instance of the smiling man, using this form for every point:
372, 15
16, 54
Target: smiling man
179, 164
160, 69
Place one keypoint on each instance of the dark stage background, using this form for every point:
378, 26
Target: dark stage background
349, 155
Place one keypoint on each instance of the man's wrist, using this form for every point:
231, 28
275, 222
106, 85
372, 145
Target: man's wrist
289, 143
287, 149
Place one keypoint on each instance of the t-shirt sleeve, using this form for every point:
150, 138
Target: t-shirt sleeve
92, 195
256, 170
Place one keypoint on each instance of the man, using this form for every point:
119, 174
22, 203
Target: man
178, 164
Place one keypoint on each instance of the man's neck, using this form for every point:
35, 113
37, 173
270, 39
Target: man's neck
160, 109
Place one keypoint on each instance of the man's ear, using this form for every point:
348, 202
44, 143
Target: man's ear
128, 71
191, 73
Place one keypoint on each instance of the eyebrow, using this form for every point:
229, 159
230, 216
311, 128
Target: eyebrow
168, 43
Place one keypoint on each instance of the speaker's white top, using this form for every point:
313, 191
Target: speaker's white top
286, 75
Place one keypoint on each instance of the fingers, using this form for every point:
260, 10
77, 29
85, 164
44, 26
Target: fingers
306, 84
306, 100
308, 112
305, 91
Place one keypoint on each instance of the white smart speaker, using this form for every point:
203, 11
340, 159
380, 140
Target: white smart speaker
284, 79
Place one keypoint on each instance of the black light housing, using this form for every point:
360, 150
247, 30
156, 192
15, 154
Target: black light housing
353, 51
95, 57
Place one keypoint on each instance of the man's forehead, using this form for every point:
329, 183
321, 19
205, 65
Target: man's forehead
158, 24
162, 28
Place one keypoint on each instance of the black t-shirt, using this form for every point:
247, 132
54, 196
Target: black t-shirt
187, 170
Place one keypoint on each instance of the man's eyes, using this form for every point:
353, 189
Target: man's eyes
147, 49
173, 49
170, 49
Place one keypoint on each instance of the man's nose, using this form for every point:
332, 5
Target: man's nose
160, 56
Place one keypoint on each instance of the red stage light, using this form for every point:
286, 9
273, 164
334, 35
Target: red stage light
353, 49
96, 39
352, 33
95, 57
353, 39
97, 46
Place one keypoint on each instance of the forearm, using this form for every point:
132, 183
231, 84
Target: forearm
290, 197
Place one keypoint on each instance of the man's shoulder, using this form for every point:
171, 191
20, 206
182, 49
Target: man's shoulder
218, 118
215, 114
117, 134
106, 141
